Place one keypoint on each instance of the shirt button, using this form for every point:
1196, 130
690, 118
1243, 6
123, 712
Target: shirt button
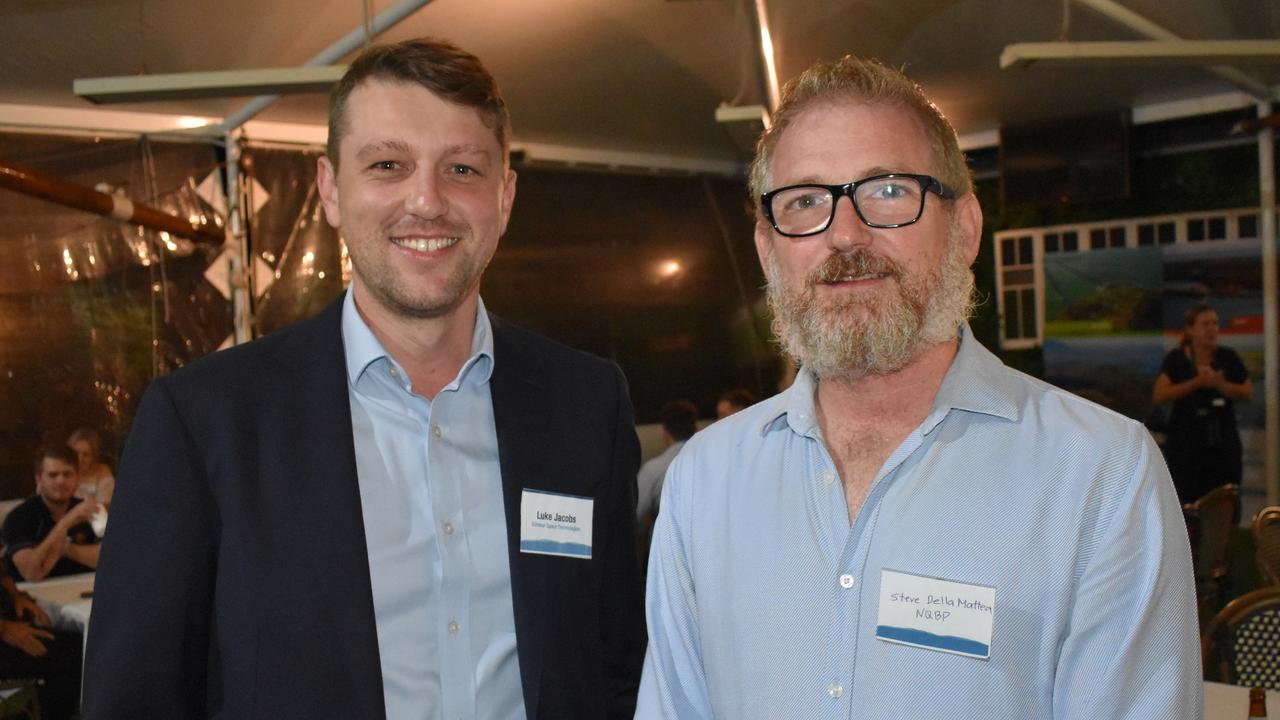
393, 372
448, 528
435, 431
453, 627
835, 690
846, 581
828, 477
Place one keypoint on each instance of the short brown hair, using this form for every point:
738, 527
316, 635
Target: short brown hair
441, 67
56, 452
679, 418
864, 81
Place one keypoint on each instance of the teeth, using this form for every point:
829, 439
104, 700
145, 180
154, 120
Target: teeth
430, 245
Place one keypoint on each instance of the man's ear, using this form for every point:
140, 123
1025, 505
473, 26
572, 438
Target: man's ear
327, 184
508, 198
968, 215
763, 236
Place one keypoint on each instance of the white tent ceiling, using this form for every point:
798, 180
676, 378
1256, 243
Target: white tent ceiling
637, 76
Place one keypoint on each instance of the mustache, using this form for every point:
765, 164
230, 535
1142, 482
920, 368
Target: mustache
855, 263
410, 225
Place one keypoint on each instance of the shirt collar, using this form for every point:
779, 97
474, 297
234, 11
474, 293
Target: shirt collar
976, 381
363, 349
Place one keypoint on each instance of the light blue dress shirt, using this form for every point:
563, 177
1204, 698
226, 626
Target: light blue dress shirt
763, 598
431, 496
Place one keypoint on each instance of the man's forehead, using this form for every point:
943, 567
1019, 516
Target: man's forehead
51, 465
385, 109
856, 136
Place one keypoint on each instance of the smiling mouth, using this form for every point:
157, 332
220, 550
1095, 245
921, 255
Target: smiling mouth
855, 278
425, 244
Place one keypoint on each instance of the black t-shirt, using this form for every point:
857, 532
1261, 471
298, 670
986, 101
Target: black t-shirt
27, 526
1205, 416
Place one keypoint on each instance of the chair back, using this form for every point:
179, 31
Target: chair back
1218, 513
1242, 643
1266, 543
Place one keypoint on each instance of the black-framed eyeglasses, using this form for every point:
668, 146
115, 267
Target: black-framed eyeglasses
881, 201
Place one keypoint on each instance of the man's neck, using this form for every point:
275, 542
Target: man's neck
863, 420
905, 393
56, 510
431, 350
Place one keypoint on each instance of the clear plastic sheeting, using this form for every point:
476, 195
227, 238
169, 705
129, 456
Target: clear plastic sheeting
289, 232
92, 308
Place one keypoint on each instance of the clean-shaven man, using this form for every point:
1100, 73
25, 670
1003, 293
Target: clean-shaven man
402, 508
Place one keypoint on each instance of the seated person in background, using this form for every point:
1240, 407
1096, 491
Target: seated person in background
734, 400
31, 649
96, 480
679, 421
49, 534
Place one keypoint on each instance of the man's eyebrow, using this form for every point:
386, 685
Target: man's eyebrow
469, 149
866, 173
380, 146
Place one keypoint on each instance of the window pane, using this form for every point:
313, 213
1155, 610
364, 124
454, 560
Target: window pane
1195, 230
1217, 228
1007, 249
1168, 233
1146, 234
1011, 315
1026, 276
1116, 236
1248, 226
1051, 242
1097, 239
1070, 243
1025, 256
1028, 313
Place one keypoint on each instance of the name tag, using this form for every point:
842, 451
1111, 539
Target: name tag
555, 524
936, 614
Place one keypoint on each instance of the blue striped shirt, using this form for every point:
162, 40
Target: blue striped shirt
764, 601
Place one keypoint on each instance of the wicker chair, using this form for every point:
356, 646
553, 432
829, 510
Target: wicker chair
1242, 644
1266, 542
1213, 518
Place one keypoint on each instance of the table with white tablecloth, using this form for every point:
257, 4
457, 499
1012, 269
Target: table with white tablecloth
68, 599
1231, 702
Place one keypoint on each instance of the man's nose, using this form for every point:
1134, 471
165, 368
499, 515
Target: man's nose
847, 231
424, 198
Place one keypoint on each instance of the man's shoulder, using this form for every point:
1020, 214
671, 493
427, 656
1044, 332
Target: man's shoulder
1042, 395
243, 365
23, 515
28, 506
515, 343
750, 426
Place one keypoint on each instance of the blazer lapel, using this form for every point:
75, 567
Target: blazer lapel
517, 397
328, 512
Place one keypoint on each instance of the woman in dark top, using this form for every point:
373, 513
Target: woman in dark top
1202, 379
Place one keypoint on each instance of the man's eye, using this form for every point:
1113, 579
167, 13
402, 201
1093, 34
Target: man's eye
462, 170
808, 201
890, 191
385, 165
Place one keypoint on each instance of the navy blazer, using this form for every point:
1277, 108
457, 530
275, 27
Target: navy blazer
234, 577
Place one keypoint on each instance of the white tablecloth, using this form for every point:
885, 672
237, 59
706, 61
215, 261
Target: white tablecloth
62, 598
1231, 702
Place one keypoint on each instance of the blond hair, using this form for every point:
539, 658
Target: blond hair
869, 81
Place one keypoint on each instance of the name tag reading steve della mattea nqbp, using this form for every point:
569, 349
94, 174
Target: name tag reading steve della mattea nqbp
555, 524
936, 614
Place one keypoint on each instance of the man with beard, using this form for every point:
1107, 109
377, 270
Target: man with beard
403, 507
911, 529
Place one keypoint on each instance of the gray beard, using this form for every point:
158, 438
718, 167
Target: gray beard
853, 337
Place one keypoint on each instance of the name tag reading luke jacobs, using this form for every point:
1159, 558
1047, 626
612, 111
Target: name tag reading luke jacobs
555, 524
937, 614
